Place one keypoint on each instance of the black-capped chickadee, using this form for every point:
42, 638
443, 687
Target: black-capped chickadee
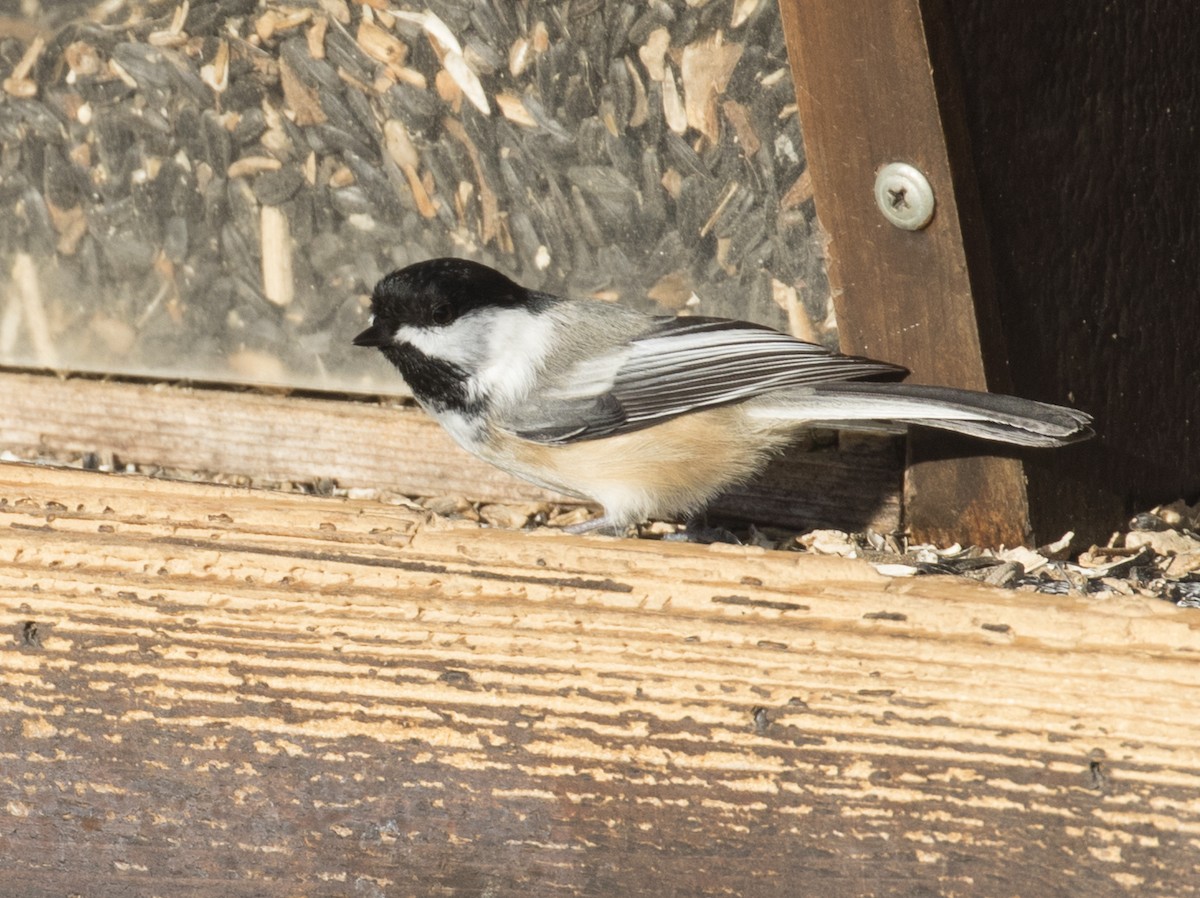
649, 416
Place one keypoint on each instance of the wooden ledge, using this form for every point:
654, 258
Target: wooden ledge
364, 444
209, 689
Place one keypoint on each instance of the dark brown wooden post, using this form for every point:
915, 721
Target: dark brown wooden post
867, 96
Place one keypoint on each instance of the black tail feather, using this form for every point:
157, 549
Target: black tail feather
989, 416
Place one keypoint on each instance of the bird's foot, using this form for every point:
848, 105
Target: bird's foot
602, 525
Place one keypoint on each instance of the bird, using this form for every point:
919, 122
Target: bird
649, 416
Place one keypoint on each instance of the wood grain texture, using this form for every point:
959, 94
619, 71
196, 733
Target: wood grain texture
364, 444
217, 691
867, 95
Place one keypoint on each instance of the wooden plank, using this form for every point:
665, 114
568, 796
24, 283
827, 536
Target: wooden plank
867, 96
399, 448
269, 436
212, 690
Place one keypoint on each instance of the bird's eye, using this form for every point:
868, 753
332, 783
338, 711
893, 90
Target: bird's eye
442, 313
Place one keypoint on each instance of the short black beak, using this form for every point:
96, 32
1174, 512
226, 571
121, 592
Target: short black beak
375, 335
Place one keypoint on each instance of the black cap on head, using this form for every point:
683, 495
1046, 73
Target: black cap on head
431, 295
438, 292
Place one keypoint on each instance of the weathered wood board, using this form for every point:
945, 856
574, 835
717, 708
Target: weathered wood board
212, 691
366, 444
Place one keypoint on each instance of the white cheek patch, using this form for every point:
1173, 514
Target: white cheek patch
516, 344
446, 343
501, 350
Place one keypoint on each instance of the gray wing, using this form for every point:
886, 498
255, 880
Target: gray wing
678, 366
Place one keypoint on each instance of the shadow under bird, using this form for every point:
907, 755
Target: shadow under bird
650, 416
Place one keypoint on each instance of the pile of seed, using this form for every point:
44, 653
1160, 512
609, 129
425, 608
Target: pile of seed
209, 189
1157, 555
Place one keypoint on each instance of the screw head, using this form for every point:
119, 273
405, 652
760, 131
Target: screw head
904, 196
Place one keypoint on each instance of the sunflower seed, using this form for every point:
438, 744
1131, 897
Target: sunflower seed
170, 168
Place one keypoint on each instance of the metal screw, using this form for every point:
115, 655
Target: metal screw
904, 196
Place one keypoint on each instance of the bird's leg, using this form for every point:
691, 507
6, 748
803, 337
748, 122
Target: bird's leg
601, 524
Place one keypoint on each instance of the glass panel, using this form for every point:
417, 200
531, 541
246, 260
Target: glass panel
210, 190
